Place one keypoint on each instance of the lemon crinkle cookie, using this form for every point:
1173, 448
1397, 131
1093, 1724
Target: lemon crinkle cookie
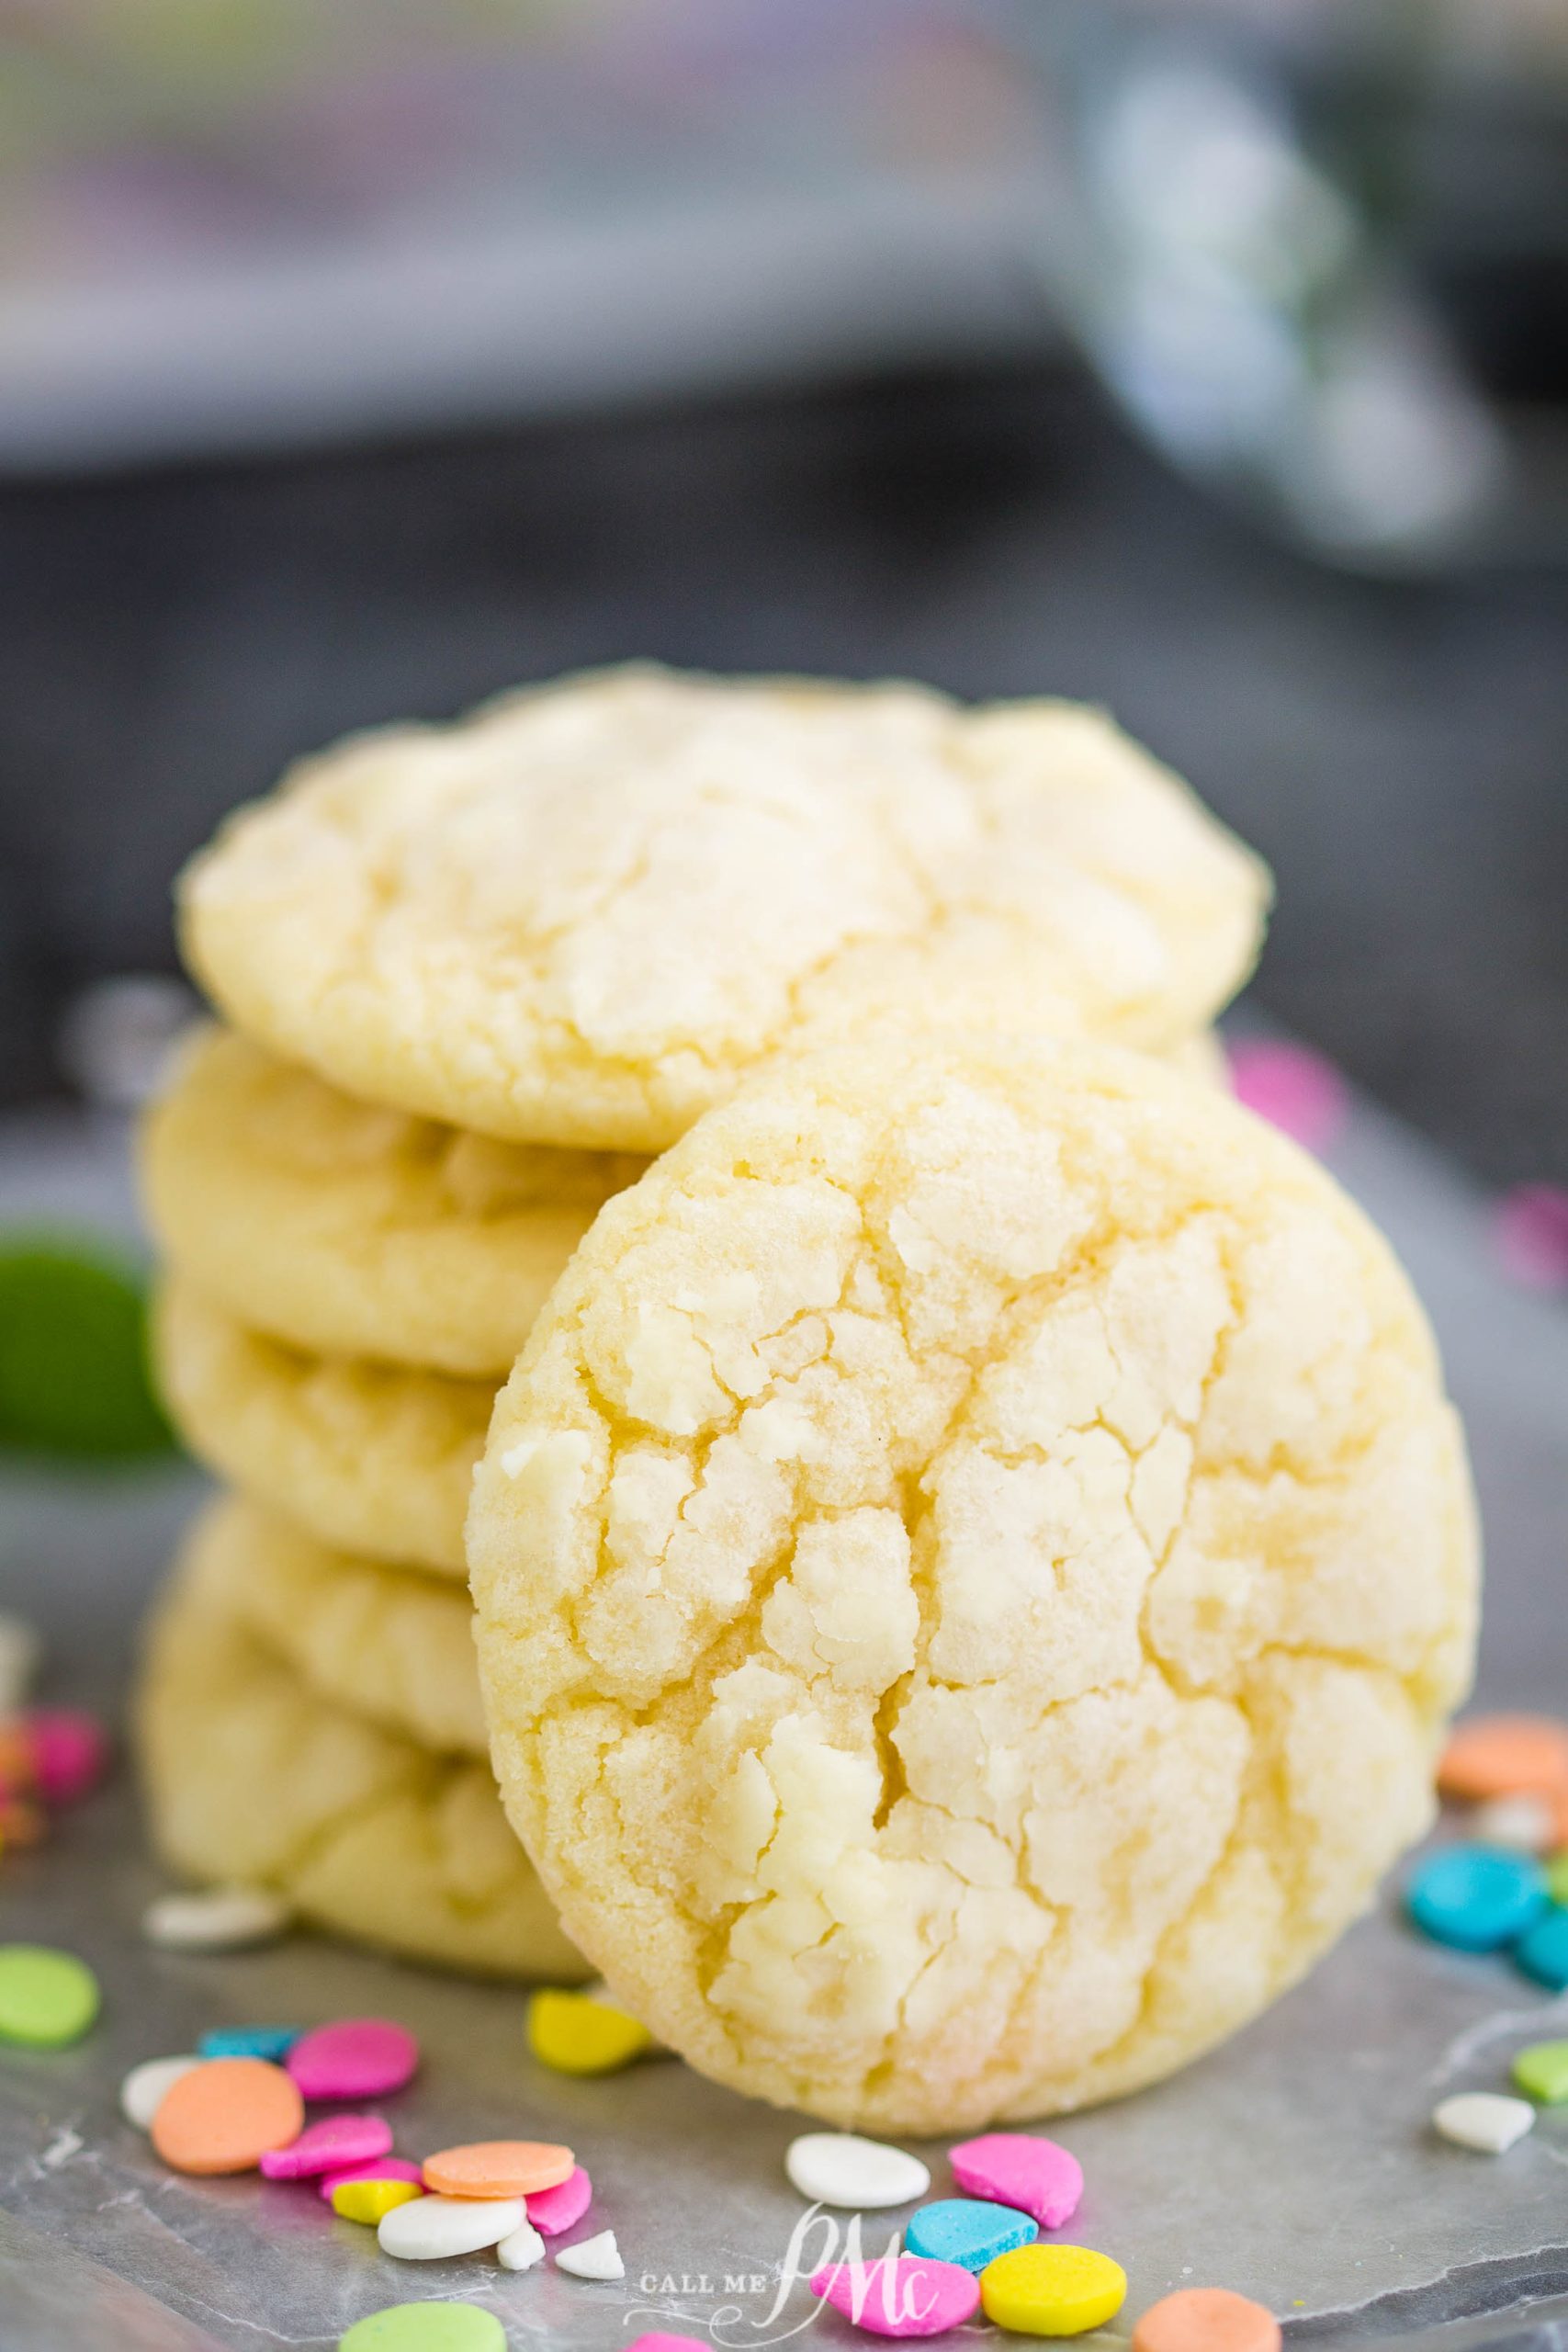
346, 1228
392, 1643
253, 1776
972, 1568
579, 916
370, 1457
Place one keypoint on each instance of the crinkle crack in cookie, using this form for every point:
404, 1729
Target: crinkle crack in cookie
347, 1228
369, 1457
581, 916
251, 1776
971, 1568
392, 1644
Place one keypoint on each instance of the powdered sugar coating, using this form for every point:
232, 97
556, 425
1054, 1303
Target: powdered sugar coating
370, 1457
583, 915
346, 1228
250, 1774
393, 1645
971, 1569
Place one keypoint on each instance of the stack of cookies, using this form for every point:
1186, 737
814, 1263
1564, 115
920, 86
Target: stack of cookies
475, 979
345, 1288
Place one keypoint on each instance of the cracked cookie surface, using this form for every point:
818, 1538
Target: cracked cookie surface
345, 1228
581, 915
370, 1457
394, 1645
252, 1777
972, 1568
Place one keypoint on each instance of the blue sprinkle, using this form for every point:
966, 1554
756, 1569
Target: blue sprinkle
969, 2229
1477, 1898
1543, 1952
274, 2041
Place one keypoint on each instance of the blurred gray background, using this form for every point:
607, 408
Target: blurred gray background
1211, 365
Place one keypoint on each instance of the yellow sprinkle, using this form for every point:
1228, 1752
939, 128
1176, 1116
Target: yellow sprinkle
1052, 2290
577, 2035
366, 2201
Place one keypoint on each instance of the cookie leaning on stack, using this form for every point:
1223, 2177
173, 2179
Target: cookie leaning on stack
533, 948
973, 1565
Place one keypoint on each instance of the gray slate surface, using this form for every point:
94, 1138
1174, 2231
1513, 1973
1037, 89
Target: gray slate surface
1295, 2163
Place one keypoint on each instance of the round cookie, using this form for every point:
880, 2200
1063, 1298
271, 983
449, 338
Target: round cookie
581, 915
369, 1457
349, 1229
971, 1568
251, 1777
392, 1643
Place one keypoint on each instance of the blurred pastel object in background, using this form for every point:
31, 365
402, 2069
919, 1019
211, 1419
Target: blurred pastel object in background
1530, 1231
117, 1036
1295, 1089
69, 1753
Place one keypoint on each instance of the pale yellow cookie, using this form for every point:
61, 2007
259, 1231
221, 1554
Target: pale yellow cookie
972, 1568
369, 1457
581, 915
355, 1230
252, 1777
392, 1644
1203, 1057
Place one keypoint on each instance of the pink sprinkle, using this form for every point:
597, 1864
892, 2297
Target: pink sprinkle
1530, 1229
328, 2146
1296, 1090
901, 2295
551, 2210
69, 1752
1015, 2168
374, 2168
657, 2343
355, 2058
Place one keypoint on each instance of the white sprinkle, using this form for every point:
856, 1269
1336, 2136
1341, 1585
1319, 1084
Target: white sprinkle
1485, 2121
521, 2249
840, 2169
597, 2258
67, 2143
428, 2229
144, 2088
221, 1920
1524, 1823
21, 1655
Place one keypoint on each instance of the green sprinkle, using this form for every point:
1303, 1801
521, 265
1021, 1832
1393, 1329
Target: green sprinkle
427, 2327
73, 1376
1557, 1879
1542, 2071
47, 1997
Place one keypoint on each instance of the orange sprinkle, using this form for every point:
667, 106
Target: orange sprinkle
226, 2114
1501, 1756
1207, 2319
499, 2168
